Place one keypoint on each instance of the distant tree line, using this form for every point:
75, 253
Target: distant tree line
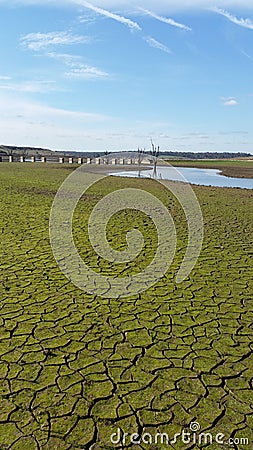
206, 155
155, 152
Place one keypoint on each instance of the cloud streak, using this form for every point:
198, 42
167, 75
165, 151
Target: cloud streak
229, 101
246, 54
42, 125
169, 21
31, 87
4, 78
124, 20
86, 72
40, 41
246, 23
156, 44
65, 58
30, 110
78, 70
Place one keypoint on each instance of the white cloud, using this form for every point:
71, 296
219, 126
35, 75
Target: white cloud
30, 87
159, 6
246, 54
246, 23
77, 68
40, 41
40, 124
4, 78
87, 19
169, 21
132, 25
86, 72
33, 110
156, 44
65, 58
229, 101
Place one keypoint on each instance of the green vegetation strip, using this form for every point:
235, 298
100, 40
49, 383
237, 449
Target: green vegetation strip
74, 367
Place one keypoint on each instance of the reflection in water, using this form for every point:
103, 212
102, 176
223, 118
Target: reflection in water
204, 177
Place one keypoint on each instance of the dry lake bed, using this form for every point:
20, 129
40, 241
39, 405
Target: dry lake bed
78, 371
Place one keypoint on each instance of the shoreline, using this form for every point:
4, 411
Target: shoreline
229, 171
112, 171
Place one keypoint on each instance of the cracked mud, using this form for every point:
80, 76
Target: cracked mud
74, 367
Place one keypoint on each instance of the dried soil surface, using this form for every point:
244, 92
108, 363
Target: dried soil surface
75, 367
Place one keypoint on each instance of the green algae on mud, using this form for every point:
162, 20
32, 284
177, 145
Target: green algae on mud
74, 367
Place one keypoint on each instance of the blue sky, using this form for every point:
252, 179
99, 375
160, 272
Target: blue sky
110, 75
